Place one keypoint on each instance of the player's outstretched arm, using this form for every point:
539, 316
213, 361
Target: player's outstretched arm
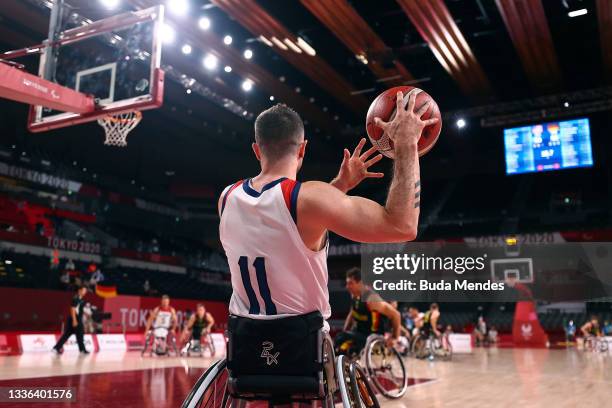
390, 312
152, 317
323, 207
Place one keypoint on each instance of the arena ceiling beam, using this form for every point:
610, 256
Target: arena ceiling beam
294, 50
604, 15
435, 24
354, 32
528, 27
209, 42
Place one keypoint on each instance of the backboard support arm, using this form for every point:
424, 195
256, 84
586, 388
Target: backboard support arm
24, 87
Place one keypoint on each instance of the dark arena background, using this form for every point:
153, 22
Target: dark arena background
524, 160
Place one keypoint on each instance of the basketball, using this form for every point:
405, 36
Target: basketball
384, 107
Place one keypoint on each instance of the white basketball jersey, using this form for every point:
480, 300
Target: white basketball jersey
273, 273
163, 318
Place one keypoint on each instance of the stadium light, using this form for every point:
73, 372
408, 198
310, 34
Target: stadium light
227, 69
461, 123
204, 23
272, 98
248, 54
577, 13
210, 62
188, 91
110, 4
566, 104
168, 34
306, 47
227, 40
178, 7
8, 262
247, 85
186, 49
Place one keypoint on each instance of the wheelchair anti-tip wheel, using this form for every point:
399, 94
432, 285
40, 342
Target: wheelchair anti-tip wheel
386, 369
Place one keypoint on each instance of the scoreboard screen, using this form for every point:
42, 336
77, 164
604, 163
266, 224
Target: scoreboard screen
548, 146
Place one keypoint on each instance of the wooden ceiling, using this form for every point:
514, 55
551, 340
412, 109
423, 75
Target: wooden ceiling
437, 27
528, 27
355, 33
264, 26
604, 15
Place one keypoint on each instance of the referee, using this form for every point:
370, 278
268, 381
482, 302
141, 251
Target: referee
74, 323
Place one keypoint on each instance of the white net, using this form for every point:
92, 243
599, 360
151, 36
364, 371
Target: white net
117, 127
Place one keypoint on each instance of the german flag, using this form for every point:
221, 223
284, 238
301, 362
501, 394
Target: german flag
106, 291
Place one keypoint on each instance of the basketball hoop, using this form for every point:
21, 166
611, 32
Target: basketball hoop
117, 127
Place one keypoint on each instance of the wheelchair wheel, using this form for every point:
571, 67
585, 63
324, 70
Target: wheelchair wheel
442, 348
419, 347
148, 337
210, 391
211, 345
602, 345
362, 393
386, 369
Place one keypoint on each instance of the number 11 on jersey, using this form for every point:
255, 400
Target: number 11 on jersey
262, 281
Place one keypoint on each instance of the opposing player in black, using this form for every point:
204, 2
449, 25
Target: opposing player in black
367, 316
430, 321
200, 323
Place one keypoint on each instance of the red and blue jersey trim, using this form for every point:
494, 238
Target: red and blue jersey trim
291, 189
227, 193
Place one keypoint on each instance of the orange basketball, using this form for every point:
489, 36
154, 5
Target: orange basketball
384, 107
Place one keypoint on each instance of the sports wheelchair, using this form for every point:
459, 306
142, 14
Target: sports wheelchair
430, 346
196, 347
384, 366
594, 343
281, 361
159, 341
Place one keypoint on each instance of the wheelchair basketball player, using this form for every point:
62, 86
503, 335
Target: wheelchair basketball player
160, 328
274, 231
196, 334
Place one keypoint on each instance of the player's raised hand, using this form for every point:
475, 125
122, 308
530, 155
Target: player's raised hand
355, 167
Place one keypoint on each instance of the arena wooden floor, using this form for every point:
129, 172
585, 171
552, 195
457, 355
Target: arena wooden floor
486, 378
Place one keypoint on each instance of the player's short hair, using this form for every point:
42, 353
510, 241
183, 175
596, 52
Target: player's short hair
81, 287
165, 297
354, 274
279, 130
200, 305
434, 306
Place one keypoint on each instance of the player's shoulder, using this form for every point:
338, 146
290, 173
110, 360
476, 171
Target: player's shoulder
316, 191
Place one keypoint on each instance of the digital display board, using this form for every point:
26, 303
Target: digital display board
548, 146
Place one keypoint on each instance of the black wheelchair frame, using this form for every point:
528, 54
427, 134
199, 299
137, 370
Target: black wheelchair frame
337, 378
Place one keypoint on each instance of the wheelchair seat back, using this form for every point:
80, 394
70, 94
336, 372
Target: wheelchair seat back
278, 359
